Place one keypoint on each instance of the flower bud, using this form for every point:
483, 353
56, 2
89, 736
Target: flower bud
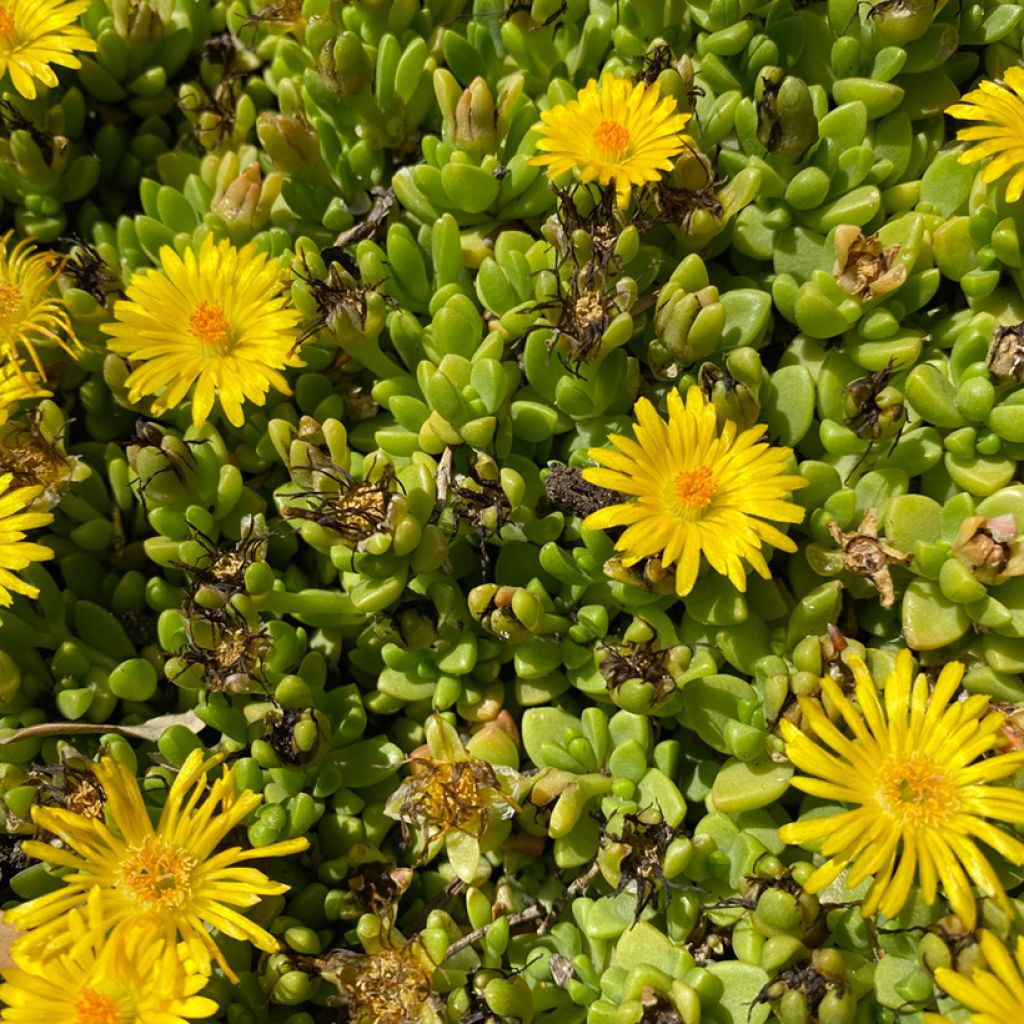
475, 119
346, 67
786, 124
246, 201
902, 21
862, 267
292, 144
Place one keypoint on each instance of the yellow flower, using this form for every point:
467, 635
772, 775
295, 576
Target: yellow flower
699, 489
216, 320
17, 386
16, 552
125, 978
994, 994
613, 132
29, 315
35, 34
1001, 106
172, 878
921, 795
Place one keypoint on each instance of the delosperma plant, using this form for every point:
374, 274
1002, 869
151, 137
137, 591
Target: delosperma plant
511, 511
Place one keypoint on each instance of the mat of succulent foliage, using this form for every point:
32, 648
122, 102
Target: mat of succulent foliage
510, 511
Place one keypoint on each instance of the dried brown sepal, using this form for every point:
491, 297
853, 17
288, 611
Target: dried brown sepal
646, 838
280, 12
813, 984
279, 725
378, 886
225, 567
867, 555
339, 295
12, 857
375, 219
86, 270
586, 300
355, 511
649, 574
870, 404
232, 655
698, 192
71, 785
13, 120
637, 661
1005, 358
476, 496
990, 548
863, 268
658, 1008
832, 646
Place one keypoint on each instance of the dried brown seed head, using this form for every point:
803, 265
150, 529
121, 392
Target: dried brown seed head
863, 268
990, 548
867, 555
1005, 358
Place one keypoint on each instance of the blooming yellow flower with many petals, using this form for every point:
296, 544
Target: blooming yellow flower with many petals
216, 320
993, 994
921, 797
29, 314
699, 490
124, 978
15, 552
1001, 106
173, 878
613, 132
36, 34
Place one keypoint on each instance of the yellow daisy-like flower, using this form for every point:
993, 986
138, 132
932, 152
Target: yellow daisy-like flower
29, 314
17, 386
15, 552
615, 131
1001, 106
994, 994
36, 34
922, 797
172, 879
698, 489
216, 320
124, 978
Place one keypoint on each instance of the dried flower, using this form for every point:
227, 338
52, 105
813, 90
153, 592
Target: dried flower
864, 554
990, 547
863, 268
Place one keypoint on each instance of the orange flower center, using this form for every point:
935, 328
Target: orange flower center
93, 1008
157, 876
917, 791
697, 487
10, 296
610, 137
6, 24
209, 324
